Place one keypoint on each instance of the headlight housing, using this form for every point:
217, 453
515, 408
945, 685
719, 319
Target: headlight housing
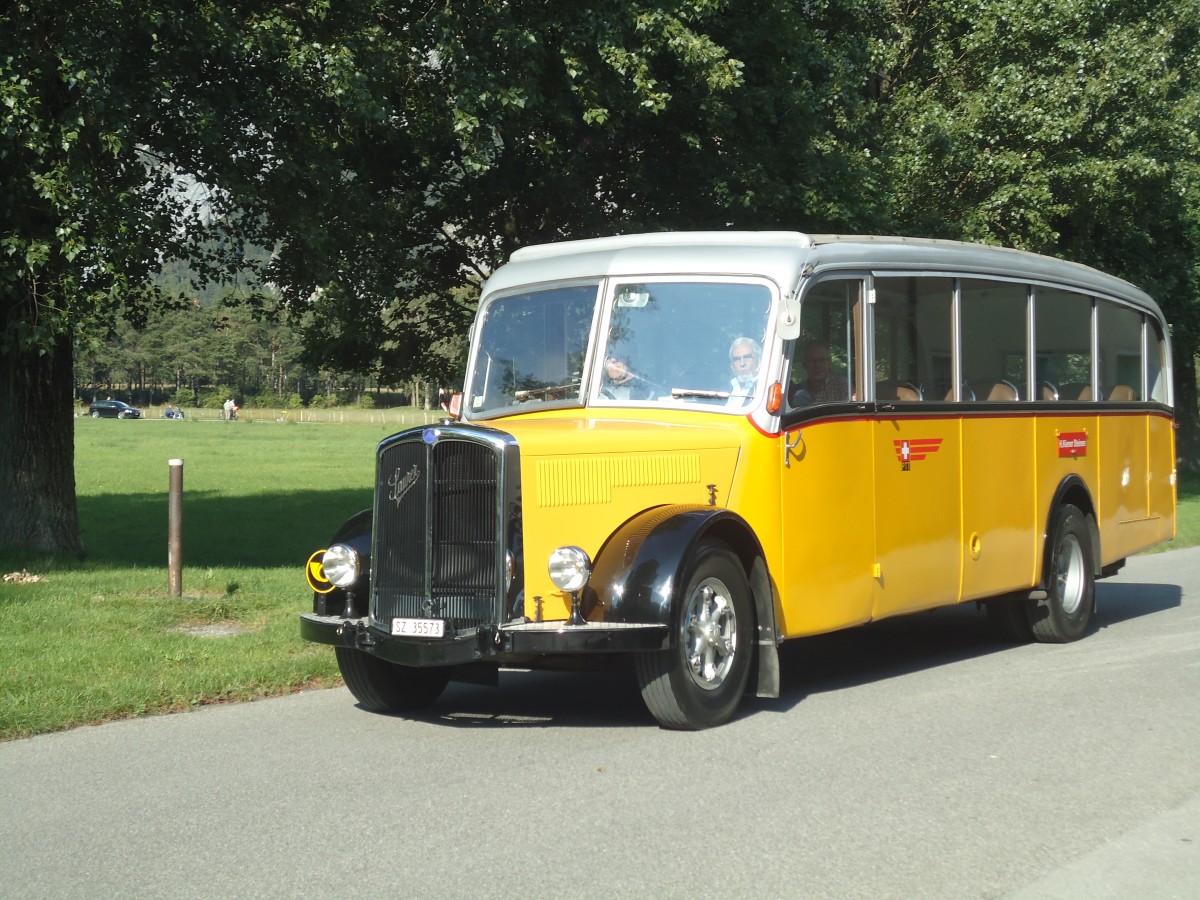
342, 565
570, 569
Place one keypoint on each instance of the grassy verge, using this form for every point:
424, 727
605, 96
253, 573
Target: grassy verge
102, 639
1188, 514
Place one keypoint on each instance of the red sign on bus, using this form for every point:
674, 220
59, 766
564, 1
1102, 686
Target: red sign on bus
1072, 443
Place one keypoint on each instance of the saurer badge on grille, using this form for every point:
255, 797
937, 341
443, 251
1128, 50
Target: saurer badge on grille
399, 485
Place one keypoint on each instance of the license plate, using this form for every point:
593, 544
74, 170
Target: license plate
424, 628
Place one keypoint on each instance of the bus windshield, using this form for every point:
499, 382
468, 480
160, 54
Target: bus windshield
658, 342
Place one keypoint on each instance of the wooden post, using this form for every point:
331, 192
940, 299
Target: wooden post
175, 529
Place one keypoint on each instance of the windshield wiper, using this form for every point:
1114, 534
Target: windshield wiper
550, 392
680, 393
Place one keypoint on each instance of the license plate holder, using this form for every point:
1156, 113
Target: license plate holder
418, 628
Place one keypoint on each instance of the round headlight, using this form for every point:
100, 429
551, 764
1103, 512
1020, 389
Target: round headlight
570, 568
342, 565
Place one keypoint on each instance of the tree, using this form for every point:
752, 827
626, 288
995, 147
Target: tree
1062, 128
391, 155
389, 152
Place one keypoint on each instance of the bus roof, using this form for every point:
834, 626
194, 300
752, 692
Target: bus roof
783, 255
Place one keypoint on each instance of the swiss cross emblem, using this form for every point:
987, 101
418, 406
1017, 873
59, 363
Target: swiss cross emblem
915, 450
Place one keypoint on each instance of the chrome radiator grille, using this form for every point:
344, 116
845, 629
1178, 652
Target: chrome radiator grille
437, 543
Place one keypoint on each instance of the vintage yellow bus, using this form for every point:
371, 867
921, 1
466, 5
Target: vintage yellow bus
679, 450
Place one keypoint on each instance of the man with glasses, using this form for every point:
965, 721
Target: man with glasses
744, 356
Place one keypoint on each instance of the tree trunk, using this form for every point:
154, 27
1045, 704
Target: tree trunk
37, 452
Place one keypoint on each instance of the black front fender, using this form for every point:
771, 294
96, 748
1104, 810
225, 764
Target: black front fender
637, 571
355, 532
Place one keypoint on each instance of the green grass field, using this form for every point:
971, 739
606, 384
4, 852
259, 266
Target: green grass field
102, 639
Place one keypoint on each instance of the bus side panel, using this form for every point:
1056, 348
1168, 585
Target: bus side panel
1160, 488
1001, 525
918, 513
1065, 445
1123, 514
828, 546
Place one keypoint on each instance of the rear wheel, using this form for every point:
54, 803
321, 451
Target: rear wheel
699, 680
1070, 594
95, 413
382, 686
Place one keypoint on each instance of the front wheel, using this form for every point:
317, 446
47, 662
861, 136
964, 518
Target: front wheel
381, 686
1070, 594
698, 681
95, 413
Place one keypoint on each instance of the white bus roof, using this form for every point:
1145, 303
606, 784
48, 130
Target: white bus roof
783, 255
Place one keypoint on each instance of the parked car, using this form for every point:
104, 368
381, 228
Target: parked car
113, 409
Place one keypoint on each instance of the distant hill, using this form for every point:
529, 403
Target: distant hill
176, 277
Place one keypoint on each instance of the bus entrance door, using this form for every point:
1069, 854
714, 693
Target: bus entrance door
828, 543
918, 563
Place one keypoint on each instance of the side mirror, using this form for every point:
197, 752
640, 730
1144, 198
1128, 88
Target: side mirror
787, 325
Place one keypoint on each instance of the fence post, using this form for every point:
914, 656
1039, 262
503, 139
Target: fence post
175, 529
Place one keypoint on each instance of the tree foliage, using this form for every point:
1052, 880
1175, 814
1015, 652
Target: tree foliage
1065, 127
391, 154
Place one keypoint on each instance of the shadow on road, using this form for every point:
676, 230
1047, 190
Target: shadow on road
829, 662
1118, 602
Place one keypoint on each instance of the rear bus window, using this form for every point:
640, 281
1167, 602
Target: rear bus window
1120, 360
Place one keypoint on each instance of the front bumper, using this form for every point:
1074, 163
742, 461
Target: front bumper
494, 643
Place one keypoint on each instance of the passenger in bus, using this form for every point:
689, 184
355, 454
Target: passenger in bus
744, 356
821, 385
620, 382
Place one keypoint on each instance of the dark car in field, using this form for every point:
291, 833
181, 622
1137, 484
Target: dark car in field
113, 409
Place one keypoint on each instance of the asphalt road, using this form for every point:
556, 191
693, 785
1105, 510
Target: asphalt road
917, 758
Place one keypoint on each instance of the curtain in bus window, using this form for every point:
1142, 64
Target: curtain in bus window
993, 317
823, 357
1063, 327
913, 339
1120, 359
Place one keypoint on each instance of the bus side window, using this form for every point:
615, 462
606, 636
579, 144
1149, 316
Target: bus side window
1063, 327
823, 365
1120, 357
913, 330
1156, 358
993, 316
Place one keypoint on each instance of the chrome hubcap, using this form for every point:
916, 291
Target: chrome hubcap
1069, 576
710, 633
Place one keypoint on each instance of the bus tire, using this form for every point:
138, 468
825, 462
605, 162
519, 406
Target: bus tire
1071, 584
698, 681
381, 686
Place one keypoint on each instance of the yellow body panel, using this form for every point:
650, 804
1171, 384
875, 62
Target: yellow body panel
824, 577
917, 513
1160, 480
858, 518
1002, 531
584, 477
